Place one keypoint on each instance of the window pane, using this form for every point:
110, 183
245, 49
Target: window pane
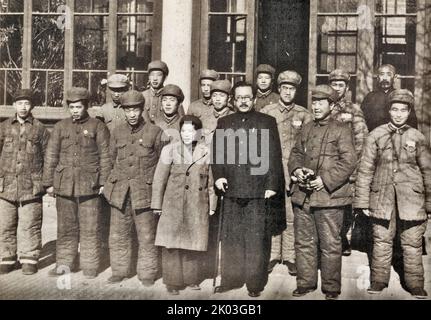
337, 44
228, 5
10, 81
48, 5
227, 43
338, 6
11, 30
92, 5
11, 6
47, 43
396, 6
134, 42
132, 6
92, 82
48, 88
395, 39
91, 43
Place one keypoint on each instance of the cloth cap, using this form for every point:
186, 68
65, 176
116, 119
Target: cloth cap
265, 68
209, 74
323, 91
173, 90
221, 85
403, 96
340, 75
76, 94
291, 77
23, 94
158, 65
118, 81
132, 98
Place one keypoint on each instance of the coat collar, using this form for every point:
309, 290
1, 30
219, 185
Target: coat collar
282, 107
29, 119
137, 128
399, 130
261, 94
84, 119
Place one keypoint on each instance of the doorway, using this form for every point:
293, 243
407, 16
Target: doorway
283, 38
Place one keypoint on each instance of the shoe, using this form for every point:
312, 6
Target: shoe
194, 287
376, 287
331, 295
29, 268
347, 251
299, 292
6, 268
173, 292
272, 264
147, 282
254, 294
346, 248
291, 266
55, 272
116, 279
90, 274
419, 293
221, 289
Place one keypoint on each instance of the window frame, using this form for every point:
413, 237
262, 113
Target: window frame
68, 69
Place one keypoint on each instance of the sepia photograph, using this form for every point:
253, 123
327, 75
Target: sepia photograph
231, 151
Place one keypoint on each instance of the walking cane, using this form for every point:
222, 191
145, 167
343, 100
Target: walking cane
220, 219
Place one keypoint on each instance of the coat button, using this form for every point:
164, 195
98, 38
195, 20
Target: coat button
187, 174
128, 178
187, 187
395, 170
200, 188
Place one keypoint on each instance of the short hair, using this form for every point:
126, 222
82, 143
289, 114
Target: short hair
241, 84
195, 121
389, 66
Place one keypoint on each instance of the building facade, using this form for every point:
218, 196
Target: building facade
50, 45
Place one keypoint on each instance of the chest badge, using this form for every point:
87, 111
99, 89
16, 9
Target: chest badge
411, 145
346, 117
297, 124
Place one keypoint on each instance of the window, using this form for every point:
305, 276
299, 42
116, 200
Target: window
47, 52
395, 38
75, 42
11, 40
337, 39
228, 32
134, 40
90, 43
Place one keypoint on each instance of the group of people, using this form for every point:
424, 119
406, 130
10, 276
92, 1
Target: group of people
273, 181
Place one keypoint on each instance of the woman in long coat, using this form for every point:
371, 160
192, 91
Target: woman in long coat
184, 196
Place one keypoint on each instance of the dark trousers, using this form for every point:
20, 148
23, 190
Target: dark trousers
180, 267
410, 235
207, 264
123, 225
78, 222
246, 244
314, 227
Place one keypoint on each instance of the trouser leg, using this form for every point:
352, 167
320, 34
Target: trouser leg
148, 254
8, 232
288, 235
257, 245
89, 225
328, 224
383, 235
411, 233
232, 246
306, 246
172, 268
67, 231
120, 240
29, 231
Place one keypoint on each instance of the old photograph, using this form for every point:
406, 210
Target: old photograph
218, 150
